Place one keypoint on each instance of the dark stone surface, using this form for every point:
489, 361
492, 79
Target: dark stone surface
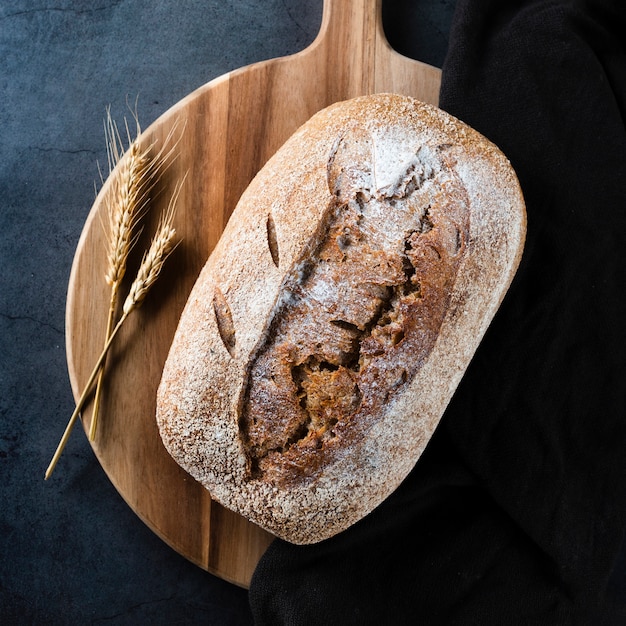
72, 552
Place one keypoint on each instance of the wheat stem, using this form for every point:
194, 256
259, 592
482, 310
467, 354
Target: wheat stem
83, 398
98, 395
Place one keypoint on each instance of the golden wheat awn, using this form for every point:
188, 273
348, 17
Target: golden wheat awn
161, 247
134, 172
128, 196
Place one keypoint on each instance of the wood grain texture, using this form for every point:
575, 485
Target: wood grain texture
228, 129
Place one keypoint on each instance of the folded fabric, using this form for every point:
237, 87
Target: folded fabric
516, 512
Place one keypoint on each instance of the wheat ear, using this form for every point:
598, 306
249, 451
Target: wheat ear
161, 247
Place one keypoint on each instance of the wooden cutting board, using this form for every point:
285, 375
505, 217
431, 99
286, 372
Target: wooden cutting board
230, 127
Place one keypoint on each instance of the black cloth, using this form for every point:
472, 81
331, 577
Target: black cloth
516, 512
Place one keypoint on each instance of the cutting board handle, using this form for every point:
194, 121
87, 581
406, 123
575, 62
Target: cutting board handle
352, 52
353, 23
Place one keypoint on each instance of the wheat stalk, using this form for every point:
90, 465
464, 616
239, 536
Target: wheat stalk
161, 247
134, 177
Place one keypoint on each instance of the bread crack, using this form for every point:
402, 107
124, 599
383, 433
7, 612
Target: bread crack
363, 312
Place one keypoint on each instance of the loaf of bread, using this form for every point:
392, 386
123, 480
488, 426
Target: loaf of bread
336, 316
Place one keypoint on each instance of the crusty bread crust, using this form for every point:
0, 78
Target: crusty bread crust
332, 323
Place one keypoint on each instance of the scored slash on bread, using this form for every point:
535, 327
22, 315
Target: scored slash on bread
335, 318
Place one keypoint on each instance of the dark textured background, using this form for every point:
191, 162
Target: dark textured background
71, 551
